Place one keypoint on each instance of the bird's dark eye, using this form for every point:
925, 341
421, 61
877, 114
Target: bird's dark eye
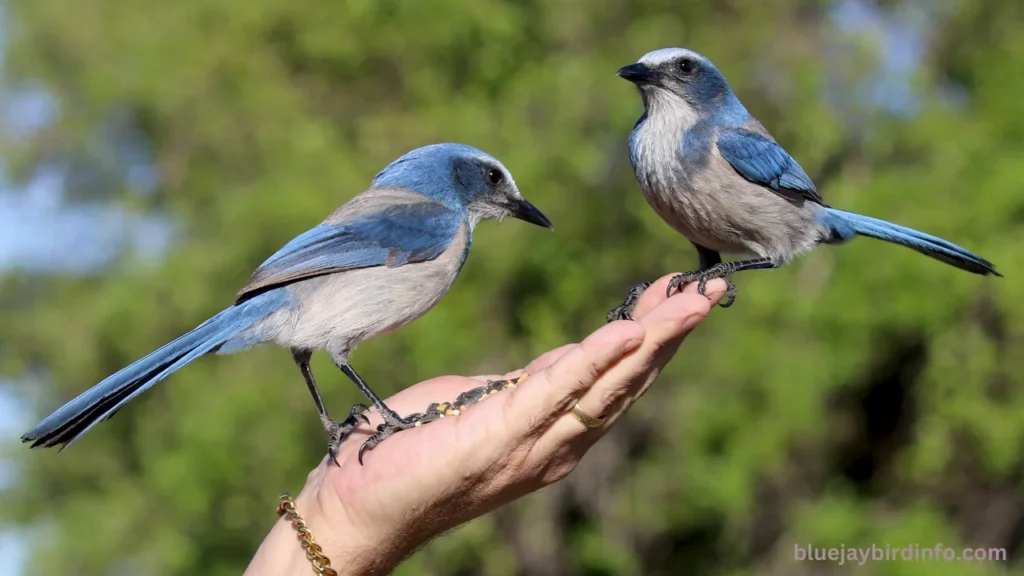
686, 66
495, 176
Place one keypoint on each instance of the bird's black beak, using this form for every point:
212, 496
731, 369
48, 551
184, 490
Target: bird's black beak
636, 73
527, 212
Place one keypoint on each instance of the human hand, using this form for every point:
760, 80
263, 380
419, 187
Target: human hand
426, 480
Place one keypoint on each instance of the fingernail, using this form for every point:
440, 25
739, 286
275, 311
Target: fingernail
631, 344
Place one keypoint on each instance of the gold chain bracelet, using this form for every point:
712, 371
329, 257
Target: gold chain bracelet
315, 554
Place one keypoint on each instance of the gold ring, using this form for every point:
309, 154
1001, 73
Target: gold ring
584, 418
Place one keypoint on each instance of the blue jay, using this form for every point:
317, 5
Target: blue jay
377, 263
716, 176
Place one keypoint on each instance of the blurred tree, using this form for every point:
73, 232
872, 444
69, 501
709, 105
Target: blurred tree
861, 395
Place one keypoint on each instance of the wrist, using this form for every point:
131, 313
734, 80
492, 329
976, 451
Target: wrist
280, 553
349, 549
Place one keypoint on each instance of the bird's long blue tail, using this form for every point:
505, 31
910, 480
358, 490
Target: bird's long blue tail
845, 225
101, 401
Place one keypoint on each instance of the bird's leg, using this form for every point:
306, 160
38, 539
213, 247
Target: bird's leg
707, 256
624, 311
337, 431
709, 259
392, 421
720, 270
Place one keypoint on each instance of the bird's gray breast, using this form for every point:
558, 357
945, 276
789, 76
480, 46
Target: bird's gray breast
340, 310
683, 184
701, 195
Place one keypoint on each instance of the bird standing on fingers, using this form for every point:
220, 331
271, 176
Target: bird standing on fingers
376, 264
714, 174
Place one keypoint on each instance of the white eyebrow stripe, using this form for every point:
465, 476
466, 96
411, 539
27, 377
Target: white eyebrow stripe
658, 57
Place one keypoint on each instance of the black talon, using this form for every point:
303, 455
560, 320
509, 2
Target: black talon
385, 430
730, 294
339, 431
359, 411
392, 423
676, 283
624, 311
366, 445
701, 277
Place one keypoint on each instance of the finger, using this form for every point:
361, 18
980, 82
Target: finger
547, 359
668, 341
654, 295
657, 293
551, 391
665, 327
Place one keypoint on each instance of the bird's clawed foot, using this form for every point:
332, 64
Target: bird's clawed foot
392, 423
338, 431
624, 311
436, 411
701, 277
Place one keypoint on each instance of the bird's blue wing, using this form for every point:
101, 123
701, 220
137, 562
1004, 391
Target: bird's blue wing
760, 159
393, 236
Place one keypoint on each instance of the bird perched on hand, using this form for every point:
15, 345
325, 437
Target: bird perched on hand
714, 174
377, 263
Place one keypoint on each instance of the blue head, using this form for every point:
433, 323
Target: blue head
464, 179
684, 83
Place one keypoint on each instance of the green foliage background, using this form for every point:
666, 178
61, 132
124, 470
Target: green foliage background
861, 395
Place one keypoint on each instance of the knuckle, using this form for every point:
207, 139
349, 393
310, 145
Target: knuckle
609, 398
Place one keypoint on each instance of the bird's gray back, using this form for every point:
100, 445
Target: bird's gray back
338, 311
373, 200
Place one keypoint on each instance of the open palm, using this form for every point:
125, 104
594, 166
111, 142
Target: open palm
426, 480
